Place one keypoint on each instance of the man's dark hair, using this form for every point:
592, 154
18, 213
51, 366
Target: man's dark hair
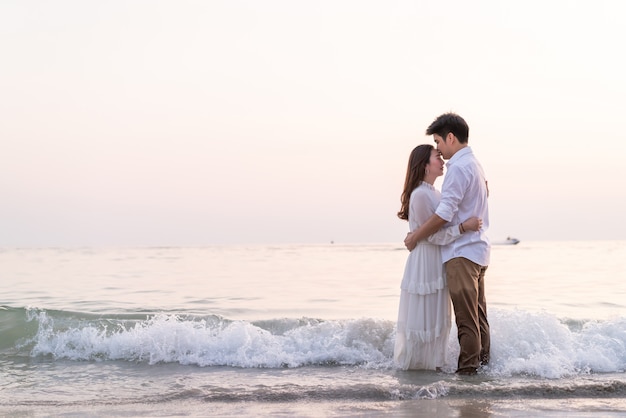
450, 122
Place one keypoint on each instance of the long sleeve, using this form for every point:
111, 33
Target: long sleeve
424, 201
445, 235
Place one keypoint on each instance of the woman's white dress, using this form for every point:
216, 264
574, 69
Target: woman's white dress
424, 317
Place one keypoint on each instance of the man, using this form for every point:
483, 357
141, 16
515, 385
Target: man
463, 195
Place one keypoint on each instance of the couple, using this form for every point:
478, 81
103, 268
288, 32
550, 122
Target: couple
449, 253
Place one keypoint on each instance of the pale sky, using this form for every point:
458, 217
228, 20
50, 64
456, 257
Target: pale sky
241, 122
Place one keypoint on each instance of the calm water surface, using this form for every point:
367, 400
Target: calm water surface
568, 279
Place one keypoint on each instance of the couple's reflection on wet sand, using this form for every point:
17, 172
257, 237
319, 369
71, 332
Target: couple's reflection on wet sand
434, 394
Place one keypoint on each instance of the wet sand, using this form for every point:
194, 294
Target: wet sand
437, 408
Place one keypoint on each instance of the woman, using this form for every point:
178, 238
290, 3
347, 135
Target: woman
424, 314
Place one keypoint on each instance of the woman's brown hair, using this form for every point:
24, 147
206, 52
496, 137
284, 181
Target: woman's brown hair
415, 172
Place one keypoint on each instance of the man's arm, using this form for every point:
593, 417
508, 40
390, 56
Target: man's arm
432, 225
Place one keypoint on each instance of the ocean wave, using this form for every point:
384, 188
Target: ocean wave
523, 343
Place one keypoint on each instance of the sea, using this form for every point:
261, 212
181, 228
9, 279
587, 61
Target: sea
300, 331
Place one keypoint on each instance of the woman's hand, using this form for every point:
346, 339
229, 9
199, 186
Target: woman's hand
472, 224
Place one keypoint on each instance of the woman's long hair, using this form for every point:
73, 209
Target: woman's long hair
415, 172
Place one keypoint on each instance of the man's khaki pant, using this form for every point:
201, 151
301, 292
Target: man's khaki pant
466, 282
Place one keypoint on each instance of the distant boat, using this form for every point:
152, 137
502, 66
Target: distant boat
508, 241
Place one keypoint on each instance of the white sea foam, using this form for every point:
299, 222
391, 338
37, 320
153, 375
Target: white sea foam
168, 338
523, 343
539, 344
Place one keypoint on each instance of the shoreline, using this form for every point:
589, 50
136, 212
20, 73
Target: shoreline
438, 408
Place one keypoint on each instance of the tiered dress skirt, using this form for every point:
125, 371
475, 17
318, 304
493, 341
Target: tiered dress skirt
424, 313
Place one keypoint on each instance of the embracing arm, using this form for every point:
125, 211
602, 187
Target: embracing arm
442, 236
432, 225
451, 233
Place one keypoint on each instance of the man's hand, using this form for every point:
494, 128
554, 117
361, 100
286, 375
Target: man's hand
432, 225
410, 242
